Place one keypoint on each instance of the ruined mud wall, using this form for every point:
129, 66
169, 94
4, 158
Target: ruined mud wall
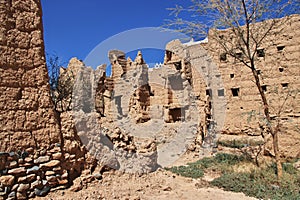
33, 158
195, 65
225, 91
27, 118
277, 62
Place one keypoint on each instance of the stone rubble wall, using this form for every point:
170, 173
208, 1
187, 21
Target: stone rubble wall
25, 174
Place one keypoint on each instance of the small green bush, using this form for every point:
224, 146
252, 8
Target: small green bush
261, 184
232, 144
196, 169
187, 171
289, 168
238, 144
229, 159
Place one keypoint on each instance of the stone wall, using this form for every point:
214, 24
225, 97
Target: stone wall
26, 175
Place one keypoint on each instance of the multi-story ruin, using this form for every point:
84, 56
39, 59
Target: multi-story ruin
277, 61
227, 99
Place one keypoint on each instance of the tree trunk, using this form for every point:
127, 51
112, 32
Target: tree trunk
268, 118
277, 156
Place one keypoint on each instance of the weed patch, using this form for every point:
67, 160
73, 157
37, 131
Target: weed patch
260, 183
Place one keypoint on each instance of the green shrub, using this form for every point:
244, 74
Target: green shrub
187, 171
261, 184
196, 169
238, 144
289, 168
229, 159
232, 144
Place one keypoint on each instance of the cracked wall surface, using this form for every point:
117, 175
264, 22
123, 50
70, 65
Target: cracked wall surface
39, 148
27, 116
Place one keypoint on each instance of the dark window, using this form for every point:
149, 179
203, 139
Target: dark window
221, 93
264, 88
280, 48
176, 114
281, 69
258, 71
231, 75
168, 55
223, 57
178, 65
260, 52
284, 85
19, 95
209, 92
235, 91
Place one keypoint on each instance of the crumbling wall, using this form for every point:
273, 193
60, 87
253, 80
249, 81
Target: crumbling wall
277, 62
140, 99
195, 66
33, 158
130, 76
226, 94
147, 103
90, 120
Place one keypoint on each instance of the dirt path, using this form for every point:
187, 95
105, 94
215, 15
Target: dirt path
161, 185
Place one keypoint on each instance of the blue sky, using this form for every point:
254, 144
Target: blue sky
73, 28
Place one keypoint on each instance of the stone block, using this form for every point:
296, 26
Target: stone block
51, 164
27, 21
23, 188
42, 159
7, 180
33, 169
17, 171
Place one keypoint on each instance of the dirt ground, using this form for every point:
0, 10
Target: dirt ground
157, 185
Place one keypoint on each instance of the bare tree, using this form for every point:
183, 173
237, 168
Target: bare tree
53, 66
61, 84
205, 18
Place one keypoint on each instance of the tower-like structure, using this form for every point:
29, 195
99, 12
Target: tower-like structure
27, 118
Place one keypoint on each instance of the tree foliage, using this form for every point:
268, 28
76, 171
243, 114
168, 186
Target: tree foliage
202, 15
